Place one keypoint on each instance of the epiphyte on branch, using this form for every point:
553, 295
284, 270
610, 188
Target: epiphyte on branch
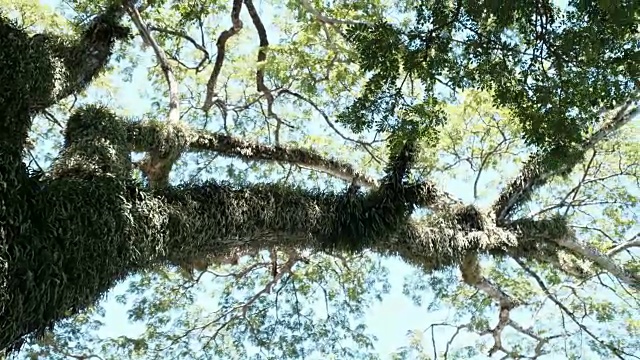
362, 219
95, 143
469, 218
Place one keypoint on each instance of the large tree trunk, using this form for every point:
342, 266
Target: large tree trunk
37, 72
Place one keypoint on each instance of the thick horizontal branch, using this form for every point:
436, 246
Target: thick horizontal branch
253, 151
102, 230
146, 136
430, 195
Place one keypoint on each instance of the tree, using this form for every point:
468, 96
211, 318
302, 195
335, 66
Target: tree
71, 233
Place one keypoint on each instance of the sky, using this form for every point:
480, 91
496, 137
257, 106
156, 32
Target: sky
390, 319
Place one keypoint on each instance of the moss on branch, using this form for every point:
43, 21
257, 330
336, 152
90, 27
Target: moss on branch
95, 145
83, 60
164, 143
26, 77
145, 135
85, 236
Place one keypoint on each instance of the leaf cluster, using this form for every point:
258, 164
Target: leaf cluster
555, 68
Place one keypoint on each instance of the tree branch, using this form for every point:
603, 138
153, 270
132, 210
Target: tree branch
617, 352
536, 172
117, 229
183, 35
157, 163
37, 72
603, 261
633, 242
174, 94
45, 69
83, 61
327, 120
144, 136
221, 44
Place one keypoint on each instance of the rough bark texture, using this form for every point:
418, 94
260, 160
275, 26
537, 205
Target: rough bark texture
66, 238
